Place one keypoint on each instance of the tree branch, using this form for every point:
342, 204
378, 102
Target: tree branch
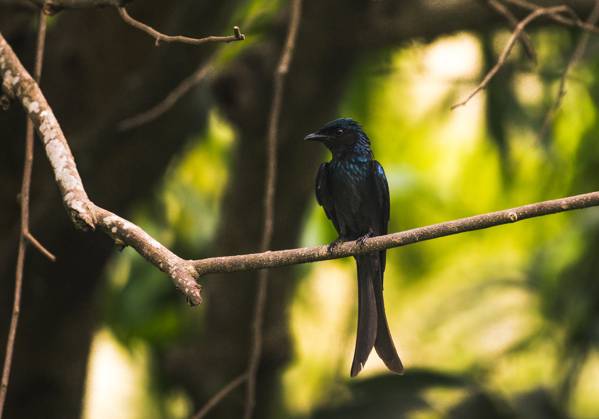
564, 20
18, 84
272, 259
216, 399
508, 48
160, 37
524, 39
53, 6
269, 202
24, 234
163, 106
576, 56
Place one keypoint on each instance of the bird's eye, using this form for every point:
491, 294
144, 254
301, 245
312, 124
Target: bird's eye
339, 131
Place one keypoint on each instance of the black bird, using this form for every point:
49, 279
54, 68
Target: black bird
352, 189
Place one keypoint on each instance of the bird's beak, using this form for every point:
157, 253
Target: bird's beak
315, 137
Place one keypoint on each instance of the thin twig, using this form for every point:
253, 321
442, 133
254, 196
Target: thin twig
573, 20
269, 202
508, 48
524, 38
576, 56
40, 247
160, 37
54, 6
22, 246
216, 399
168, 102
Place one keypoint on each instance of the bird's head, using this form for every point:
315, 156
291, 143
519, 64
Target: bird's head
342, 136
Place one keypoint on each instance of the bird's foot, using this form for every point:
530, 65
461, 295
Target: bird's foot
334, 244
362, 239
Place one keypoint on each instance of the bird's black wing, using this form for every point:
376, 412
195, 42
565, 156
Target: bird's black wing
324, 195
381, 189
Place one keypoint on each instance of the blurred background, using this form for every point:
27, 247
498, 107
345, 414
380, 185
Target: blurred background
499, 323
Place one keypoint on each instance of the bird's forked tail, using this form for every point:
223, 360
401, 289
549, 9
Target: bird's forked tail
373, 330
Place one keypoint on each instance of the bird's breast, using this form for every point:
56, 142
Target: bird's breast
349, 184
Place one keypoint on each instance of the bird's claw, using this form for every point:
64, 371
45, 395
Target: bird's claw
334, 244
362, 239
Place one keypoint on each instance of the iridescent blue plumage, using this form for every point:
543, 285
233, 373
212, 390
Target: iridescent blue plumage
352, 189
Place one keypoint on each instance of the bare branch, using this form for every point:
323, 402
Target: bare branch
160, 37
168, 102
573, 20
272, 259
269, 202
17, 83
524, 38
508, 48
40, 247
216, 399
124, 232
54, 6
576, 56
24, 228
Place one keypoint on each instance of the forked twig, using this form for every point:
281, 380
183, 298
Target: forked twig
508, 48
160, 37
576, 56
524, 38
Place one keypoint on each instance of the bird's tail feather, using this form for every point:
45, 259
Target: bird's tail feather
384, 342
367, 313
373, 330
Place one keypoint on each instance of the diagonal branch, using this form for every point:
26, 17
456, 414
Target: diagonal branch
167, 103
551, 11
160, 37
524, 38
218, 397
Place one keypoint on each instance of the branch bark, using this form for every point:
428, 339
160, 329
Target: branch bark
313, 254
54, 6
160, 37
